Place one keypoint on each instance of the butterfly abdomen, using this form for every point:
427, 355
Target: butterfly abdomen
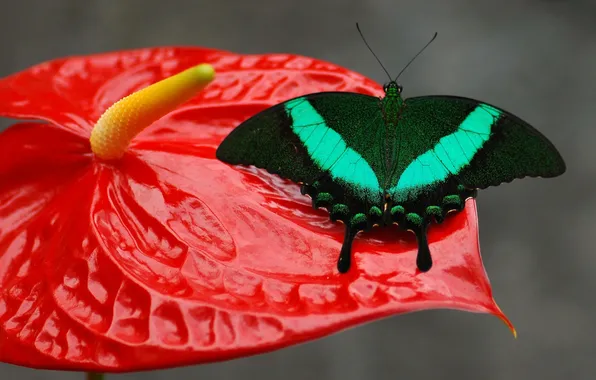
391, 108
390, 148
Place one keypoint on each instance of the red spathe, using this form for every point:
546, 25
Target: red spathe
170, 257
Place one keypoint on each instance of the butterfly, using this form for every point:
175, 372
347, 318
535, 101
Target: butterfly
374, 161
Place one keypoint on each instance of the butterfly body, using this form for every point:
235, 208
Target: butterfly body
391, 107
382, 161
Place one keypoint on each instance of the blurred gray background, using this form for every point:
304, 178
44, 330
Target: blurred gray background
534, 58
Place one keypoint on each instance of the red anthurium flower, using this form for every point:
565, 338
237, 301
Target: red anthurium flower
156, 254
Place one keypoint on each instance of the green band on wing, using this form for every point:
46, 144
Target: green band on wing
451, 154
329, 151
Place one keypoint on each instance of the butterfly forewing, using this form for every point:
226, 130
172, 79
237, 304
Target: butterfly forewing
449, 142
328, 139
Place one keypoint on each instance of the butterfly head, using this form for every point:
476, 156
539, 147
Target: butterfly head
392, 88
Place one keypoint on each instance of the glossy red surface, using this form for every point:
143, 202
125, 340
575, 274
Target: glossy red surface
170, 257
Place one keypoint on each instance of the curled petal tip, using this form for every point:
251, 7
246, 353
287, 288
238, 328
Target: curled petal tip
499, 313
509, 325
126, 118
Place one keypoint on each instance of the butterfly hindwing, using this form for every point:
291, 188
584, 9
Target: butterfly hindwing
324, 140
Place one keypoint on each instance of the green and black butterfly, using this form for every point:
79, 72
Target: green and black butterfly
382, 161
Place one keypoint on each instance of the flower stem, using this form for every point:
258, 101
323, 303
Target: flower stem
95, 376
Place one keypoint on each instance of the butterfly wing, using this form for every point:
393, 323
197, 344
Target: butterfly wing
325, 140
330, 142
449, 147
453, 142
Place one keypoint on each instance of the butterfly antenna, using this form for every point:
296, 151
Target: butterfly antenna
371, 50
416, 56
